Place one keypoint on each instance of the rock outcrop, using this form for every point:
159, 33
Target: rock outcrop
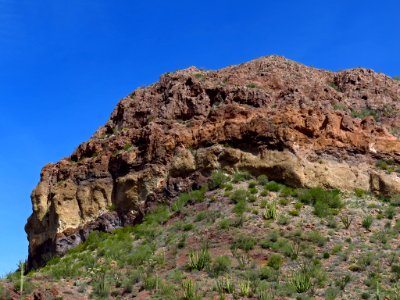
299, 125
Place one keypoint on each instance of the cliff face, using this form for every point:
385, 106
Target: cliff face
299, 125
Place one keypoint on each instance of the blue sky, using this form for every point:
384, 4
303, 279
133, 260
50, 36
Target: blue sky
65, 64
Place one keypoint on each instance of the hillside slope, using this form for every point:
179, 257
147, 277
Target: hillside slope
243, 238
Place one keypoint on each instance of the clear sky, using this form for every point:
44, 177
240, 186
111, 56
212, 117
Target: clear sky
65, 64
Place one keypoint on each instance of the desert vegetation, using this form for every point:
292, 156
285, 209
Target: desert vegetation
240, 237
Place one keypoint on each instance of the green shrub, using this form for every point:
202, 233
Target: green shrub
272, 237
252, 184
283, 220
359, 192
252, 198
101, 287
332, 293
198, 260
315, 237
268, 273
253, 190
381, 236
240, 207
301, 281
238, 221
240, 176
200, 216
331, 222
365, 112
298, 205
227, 194
217, 180
367, 222
225, 285
337, 248
275, 261
311, 196
242, 258
180, 203
282, 246
397, 226
396, 271
288, 191
270, 211
239, 195
21, 283
176, 276
343, 281
145, 230
130, 280
184, 198
263, 203
182, 241
198, 195
245, 288
365, 260
158, 216
165, 291
151, 282
390, 212
139, 255
244, 243
324, 202
228, 187
283, 201
346, 220
365, 295
221, 265
322, 209
127, 146
355, 268
262, 180
272, 186
189, 290
325, 255
224, 223
199, 76
251, 85
388, 165
395, 200
264, 292
188, 227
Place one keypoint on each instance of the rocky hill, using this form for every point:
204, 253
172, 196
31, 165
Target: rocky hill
300, 126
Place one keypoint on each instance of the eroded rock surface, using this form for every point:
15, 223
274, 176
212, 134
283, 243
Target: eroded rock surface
299, 125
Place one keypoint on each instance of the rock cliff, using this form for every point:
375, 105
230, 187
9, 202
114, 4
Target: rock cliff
298, 125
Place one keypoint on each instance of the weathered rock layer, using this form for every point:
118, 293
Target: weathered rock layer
299, 125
